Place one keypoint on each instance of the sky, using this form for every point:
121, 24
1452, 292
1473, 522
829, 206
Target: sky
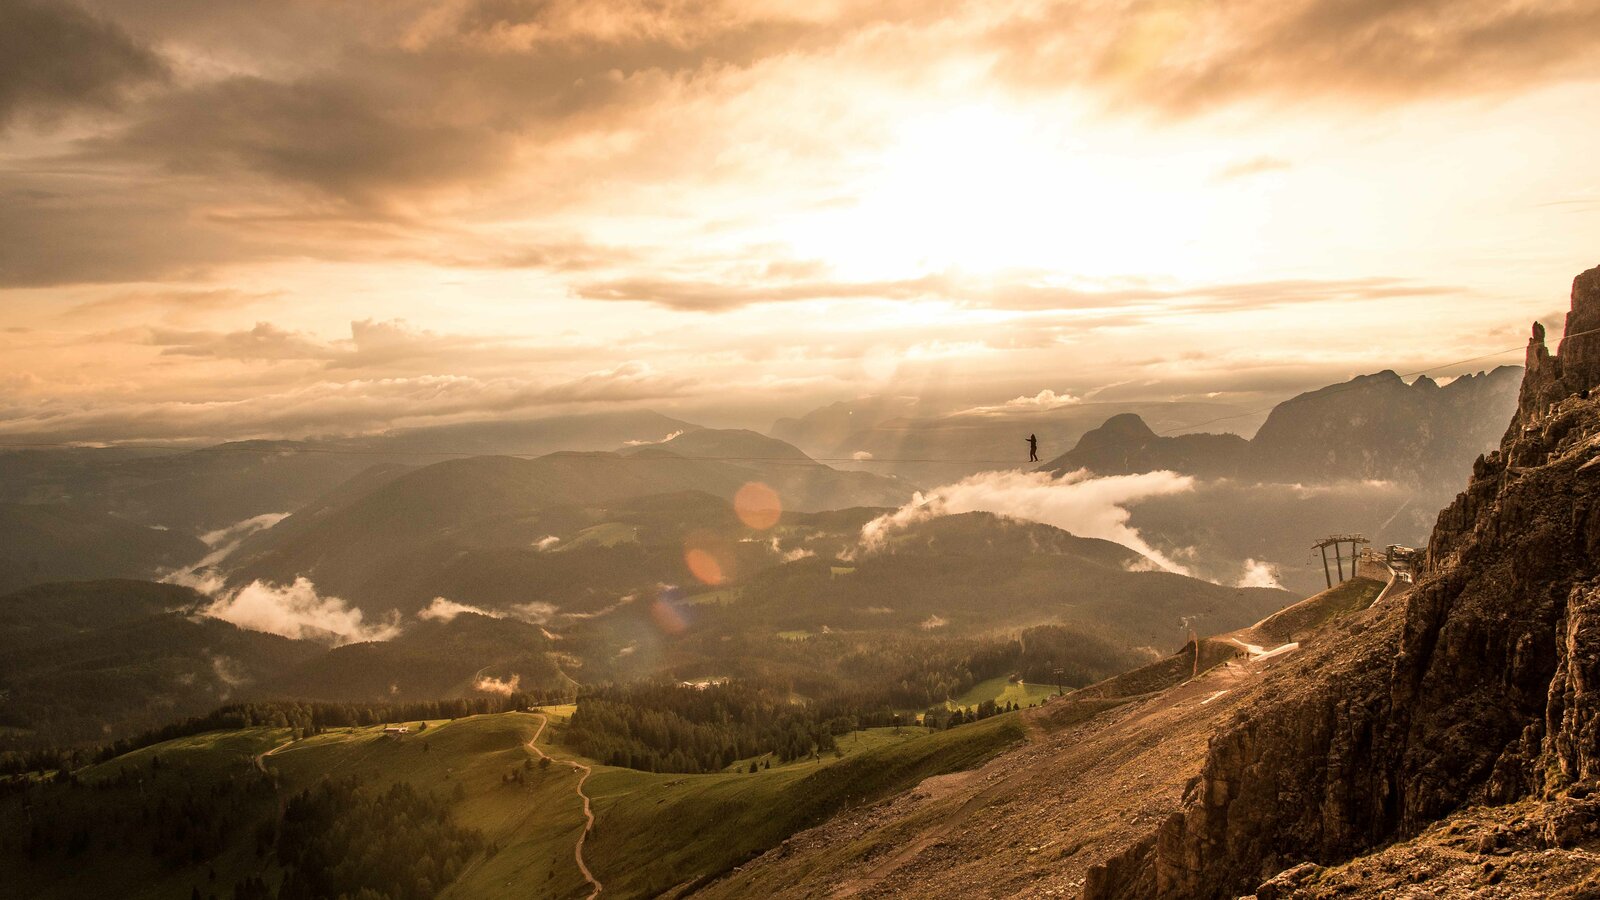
301, 217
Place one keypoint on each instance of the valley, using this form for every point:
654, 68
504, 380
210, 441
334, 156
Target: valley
710, 665
861, 450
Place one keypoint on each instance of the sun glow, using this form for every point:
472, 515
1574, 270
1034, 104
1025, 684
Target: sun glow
990, 189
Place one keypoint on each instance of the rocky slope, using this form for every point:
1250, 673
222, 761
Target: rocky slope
1483, 692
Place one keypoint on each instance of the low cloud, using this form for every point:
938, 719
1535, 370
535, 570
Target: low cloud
203, 575
443, 609
661, 440
791, 555
492, 685
1258, 574
1075, 502
546, 542
228, 671
298, 611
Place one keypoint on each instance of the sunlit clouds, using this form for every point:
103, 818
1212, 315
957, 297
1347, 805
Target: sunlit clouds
299, 611
1075, 502
256, 220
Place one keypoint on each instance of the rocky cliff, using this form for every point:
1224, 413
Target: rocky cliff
1482, 688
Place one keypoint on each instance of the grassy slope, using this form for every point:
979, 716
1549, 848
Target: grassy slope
1003, 690
737, 816
653, 831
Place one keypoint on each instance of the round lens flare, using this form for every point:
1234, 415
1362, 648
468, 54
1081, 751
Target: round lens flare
758, 506
668, 617
703, 565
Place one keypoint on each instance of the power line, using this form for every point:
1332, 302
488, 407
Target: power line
777, 460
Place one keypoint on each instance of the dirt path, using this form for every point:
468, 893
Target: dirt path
260, 759
588, 811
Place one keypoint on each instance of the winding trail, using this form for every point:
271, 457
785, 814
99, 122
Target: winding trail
588, 812
260, 759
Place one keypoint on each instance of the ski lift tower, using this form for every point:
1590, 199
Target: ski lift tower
1336, 541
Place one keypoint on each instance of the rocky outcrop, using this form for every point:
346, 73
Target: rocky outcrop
1483, 688
1126, 445
1575, 370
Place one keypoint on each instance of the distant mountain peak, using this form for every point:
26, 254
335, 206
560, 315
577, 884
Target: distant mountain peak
1123, 425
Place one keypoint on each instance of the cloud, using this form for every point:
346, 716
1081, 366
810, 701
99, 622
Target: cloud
1185, 58
298, 611
546, 542
1132, 299
176, 301
1041, 402
1075, 502
55, 57
1256, 165
228, 671
318, 407
790, 555
718, 296
203, 575
443, 609
333, 135
1258, 574
263, 342
492, 685
661, 440
77, 228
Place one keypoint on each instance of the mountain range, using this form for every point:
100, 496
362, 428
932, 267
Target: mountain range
1372, 427
1374, 456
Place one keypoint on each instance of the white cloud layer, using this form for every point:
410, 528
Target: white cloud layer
1075, 502
443, 609
203, 576
298, 611
1258, 574
492, 685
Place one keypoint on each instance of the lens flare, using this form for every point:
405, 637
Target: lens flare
758, 506
668, 616
703, 565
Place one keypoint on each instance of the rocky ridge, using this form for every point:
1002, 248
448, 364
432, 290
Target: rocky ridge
1486, 693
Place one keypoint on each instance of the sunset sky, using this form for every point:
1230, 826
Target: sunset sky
255, 218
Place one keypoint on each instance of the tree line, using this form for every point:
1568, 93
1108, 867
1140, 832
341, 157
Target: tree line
307, 717
661, 726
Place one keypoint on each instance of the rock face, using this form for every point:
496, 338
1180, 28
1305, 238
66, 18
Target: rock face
1484, 688
1378, 426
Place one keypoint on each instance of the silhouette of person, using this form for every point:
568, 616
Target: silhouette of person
1033, 448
